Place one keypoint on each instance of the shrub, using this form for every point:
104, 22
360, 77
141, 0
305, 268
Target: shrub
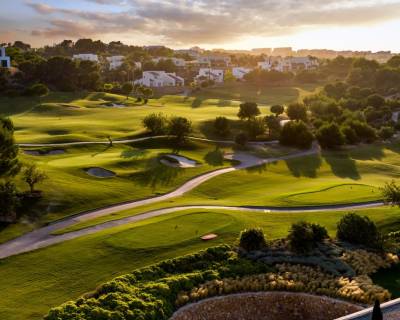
375, 100
304, 236
391, 193
297, 111
241, 139
330, 136
221, 126
252, 239
255, 127
386, 133
358, 230
296, 134
155, 123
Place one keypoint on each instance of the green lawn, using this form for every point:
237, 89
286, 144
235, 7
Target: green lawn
81, 116
139, 174
34, 282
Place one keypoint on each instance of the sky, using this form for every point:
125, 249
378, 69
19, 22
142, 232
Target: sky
231, 24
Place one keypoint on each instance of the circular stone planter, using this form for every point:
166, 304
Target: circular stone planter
100, 172
173, 160
266, 306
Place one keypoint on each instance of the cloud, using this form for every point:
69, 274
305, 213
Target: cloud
182, 22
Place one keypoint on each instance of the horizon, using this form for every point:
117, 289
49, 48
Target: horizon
358, 25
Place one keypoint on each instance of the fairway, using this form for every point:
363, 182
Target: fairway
48, 277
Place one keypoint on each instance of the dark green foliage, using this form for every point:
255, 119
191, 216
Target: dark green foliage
277, 109
274, 126
155, 123
386, 132
248, 110
127, 89
355, 229
255, 127
375, 100
241, 139
8, 202
391, 193
297, 111
337, 90
9, 164
221, 126
330, 136
304, 236
376, 311
180, 127
150, 293
363, 130
252, 239
296, 134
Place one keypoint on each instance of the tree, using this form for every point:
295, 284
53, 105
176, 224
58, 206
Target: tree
155, 123
277, 109
358, 230
221, 126
391, 193
39, 90
296, 134
9, 164
8, 202
126, 89
376, 311
252, 239
180, 128
241, 139
376, 100
147, 93
330, 136
386, 132
32, 176
274, 126
255, 127
297, 111
248, 110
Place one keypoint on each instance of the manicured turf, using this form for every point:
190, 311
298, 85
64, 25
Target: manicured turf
33, 282
71, 190
84, 117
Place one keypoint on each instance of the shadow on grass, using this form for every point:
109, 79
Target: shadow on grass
305, 166
370, 152
134, 153
342, 165
101, 151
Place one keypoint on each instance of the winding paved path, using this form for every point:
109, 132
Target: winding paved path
43, 237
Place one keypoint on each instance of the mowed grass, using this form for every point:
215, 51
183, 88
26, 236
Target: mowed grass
65, 117
139, 174
34, 282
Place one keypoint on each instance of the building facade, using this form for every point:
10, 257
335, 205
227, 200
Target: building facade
86, 57
158, 79
5, 61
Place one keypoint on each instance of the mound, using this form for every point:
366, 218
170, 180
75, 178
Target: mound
266, 305
100, 172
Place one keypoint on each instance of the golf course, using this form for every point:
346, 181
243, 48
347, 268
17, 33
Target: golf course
117, 198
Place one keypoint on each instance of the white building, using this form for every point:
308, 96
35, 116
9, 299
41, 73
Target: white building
288, 64
86, 57
217, 75
240, 72
214, 59
5, 61
303, 63
176, 61
115, 61
160, 79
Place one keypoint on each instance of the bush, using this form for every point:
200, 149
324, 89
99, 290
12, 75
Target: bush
8, 202
252, 239
255, 127
358, 230
297, 111
241, 139
330, 136
386, 133
304, 236
296, 134
221, 126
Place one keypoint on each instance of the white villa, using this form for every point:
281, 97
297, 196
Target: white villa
160, 79
288, 64
176, 61
115, 61
217, 75
240, 72
86, 57
218, 59
5, 61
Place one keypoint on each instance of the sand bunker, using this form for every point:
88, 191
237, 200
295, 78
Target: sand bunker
266, 306
208, 237
100, 172
114, 105
175, 161
44, 152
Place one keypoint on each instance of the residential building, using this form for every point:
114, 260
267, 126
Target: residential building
271, 63
240, 72
115, 61
288, 64
160, 79
86, 57
5, 61
215, 60
176, 61
217, 75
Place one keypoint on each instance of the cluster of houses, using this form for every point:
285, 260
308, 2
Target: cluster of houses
212, 67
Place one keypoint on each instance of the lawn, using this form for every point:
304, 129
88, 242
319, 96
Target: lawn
65, 117
139, 174
34, 282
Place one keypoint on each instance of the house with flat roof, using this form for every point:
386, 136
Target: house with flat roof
5, 61
240, 72
160, 79
115, 62
216, 75
86, 57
